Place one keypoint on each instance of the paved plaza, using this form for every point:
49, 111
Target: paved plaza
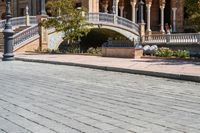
188, 70
46, 98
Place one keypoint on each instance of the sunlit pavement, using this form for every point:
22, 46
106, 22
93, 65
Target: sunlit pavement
45, 98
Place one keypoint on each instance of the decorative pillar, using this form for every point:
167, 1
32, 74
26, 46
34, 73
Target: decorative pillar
8, 35
198, 38
115, 9
133, 3
148, 18
141, 20
121, 10
27, 16
174, 18
90, 6
162, 9
43, 7
95, 6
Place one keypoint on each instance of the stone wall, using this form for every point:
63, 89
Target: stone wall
122, 52
32, 46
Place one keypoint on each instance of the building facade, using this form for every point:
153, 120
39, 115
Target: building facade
157, 13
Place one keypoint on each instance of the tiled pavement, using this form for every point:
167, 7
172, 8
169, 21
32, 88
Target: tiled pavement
45, 98
154, 65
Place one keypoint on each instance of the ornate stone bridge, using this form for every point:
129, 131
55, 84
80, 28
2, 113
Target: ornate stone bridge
28, 39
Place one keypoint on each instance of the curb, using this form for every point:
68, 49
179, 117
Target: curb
123, 70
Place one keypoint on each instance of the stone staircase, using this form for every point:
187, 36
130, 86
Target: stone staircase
2, 38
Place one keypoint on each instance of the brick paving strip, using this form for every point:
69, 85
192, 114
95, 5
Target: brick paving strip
183, 70
46, 98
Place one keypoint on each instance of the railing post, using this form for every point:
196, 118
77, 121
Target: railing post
27, 16
167, 38
198, 38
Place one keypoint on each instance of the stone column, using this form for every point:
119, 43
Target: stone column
115, 9
148, 17
90, 6
93, 6
162, 8
121, 10
97, 6
174, 18
27, 16
134, 12
136, 15
15, 8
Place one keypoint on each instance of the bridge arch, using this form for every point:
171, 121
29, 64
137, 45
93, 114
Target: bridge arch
56, 38
101, 20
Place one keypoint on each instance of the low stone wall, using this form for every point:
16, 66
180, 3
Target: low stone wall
31, 46
122, 52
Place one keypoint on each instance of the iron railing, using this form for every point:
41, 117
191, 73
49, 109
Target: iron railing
187, 38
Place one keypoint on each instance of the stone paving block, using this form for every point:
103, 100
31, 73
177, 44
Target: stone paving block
51, 98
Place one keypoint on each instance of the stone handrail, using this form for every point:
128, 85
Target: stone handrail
24, 35
111, 19
108, 19
187, 38
19, 21
127, 23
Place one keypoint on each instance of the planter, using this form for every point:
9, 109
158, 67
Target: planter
122, 52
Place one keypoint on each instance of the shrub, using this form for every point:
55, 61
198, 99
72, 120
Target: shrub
47, 50
70, 48
182, 54
94, 51
164, 52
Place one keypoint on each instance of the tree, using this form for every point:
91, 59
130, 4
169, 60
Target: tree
65, 17
193, 12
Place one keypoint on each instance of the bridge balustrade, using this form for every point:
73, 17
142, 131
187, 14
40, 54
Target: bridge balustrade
187, 38
21, 37
111, 19
19, 21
